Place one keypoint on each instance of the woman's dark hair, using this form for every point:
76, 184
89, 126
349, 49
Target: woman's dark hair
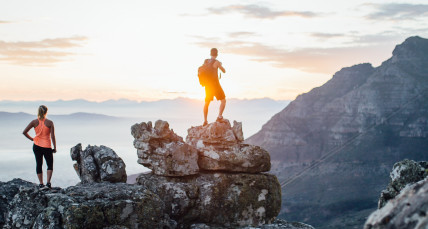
42, 111
214, 52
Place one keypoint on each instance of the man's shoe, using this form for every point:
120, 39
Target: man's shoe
219, 119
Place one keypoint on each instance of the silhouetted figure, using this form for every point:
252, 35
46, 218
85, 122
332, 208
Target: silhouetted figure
45, 131
213, 87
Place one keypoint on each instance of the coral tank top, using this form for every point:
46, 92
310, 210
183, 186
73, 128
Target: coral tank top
43, 138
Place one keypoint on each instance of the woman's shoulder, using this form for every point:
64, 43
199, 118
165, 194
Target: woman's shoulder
34, 123
49, 122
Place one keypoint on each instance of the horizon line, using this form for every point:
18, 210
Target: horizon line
138, 101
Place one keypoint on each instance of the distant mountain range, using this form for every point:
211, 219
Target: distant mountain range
181, 112
9, 116
333, 147
122, 107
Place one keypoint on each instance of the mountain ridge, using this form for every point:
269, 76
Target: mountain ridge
382, 110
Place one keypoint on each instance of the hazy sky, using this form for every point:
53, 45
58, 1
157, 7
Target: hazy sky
150, 50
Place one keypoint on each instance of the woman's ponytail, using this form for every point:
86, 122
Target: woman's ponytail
42, 112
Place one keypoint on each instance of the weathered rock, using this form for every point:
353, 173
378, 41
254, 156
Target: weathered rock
220, 149
277, 224
161, 150
99, 205
237, 130
222, 199
95, 205
403, 173
10, 205
98, 164
237, 158
7, 191
211, 200
216, 133
407, 210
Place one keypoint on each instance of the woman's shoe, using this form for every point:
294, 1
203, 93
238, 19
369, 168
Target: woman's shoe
42, 187
49, 185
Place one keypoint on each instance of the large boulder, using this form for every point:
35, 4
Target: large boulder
220, 148
98, 164
219, 199
94, 205
164, 152
404, 173
407, 210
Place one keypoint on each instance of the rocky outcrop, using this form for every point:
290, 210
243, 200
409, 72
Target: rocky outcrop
213, 171
92, 205
7, 192
98, 164
222, 199
409, 207
277, 224
347, 134
162, 151
221, 148
168, 197
404, 173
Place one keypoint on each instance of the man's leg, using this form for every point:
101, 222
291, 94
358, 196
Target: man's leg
207, 103
222, 106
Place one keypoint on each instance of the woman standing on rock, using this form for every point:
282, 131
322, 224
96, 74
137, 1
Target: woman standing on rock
45, 131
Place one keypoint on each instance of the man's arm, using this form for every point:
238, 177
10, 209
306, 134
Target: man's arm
221, 67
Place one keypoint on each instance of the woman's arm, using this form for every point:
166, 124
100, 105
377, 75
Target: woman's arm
53, 137
28, 128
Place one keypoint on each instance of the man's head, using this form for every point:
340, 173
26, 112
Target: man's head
214, 52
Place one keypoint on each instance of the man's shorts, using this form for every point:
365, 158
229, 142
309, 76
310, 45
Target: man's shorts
214, 90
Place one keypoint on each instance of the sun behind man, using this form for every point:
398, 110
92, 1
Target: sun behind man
213, 87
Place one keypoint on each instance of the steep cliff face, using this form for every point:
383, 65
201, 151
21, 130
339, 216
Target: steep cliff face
350, 131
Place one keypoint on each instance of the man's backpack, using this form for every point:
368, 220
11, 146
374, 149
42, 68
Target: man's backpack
206, 72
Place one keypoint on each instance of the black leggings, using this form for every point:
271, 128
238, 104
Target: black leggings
39, 152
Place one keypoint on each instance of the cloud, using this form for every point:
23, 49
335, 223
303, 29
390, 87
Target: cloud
241, 34
44, 52
317, 60
326, 35
5, 22
395, 11
260, 12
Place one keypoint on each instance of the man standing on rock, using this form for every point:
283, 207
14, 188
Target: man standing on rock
213, 87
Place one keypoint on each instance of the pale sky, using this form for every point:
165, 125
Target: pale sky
150, 50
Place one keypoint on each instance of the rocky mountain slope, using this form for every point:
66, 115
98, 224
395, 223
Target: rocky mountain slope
346, 134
